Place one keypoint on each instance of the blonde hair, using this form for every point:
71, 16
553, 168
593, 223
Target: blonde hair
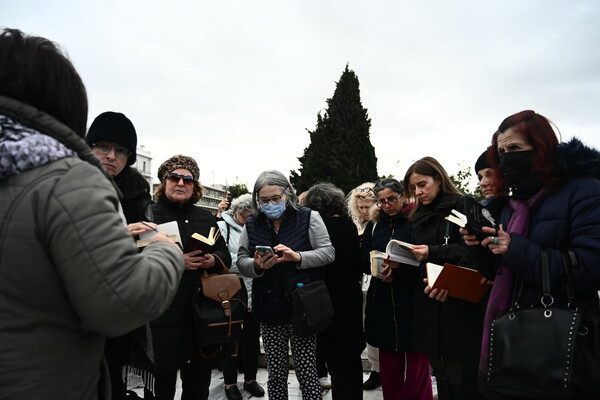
361, 192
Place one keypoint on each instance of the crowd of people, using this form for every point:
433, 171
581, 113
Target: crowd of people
83, 309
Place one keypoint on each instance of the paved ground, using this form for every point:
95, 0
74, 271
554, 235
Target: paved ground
217, 391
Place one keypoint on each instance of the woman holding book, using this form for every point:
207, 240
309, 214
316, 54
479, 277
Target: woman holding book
173, 333
448, 332
550, 200
389, 308
300, 245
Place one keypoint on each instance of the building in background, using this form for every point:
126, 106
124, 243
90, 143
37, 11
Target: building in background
212, 197
143, 163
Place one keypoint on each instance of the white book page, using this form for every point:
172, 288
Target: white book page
433, 271
170, 228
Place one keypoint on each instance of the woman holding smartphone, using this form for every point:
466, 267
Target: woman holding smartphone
301, 237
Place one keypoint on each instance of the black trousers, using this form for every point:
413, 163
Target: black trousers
195, 383
346, 374
249, 351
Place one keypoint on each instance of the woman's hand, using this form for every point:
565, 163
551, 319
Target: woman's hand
222, 207
499, 241
470, 239
421, 251
164, 238
264, 262
194, 260
138, 228
437, 294
287, 254
387, 271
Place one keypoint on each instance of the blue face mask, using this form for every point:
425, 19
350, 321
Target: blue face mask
273, 211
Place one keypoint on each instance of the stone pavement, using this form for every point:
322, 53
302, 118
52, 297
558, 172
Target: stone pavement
217, 389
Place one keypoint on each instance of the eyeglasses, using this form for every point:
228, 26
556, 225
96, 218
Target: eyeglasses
273, 199
187, 179
364, 190
389, 201
120, 152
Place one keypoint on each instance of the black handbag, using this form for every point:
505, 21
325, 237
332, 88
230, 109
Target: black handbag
545, 352
311, 309
220, 305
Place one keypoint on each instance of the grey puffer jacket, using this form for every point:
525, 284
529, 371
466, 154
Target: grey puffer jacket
69, 272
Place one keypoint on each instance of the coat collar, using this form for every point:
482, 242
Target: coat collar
448, 200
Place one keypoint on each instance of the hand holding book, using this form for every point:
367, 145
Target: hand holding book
195, 260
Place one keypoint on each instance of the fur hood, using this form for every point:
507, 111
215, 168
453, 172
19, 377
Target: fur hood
576, 160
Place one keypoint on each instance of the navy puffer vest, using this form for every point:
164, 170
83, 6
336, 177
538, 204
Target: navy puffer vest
270, 292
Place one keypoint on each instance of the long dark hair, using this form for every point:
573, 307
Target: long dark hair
33, 70
538, 131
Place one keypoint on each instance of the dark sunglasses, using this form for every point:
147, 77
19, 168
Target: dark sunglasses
187, 179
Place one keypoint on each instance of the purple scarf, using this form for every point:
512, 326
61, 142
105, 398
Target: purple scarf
503, 287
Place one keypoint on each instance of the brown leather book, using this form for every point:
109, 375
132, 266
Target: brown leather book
461, 282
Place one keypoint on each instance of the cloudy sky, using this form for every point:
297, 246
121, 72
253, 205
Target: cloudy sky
236, 84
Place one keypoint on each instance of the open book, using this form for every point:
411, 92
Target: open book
461, 283
171, 228
201, 242
475, 217
396, 250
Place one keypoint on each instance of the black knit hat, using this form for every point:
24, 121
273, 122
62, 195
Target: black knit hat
114, 127
482, 162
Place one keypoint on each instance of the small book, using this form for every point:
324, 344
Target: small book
475, 217
461, 283
171, 228
396, 250
201, 242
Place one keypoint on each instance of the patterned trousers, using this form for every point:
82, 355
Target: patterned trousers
276, 340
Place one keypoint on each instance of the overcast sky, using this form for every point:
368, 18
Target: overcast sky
236, 84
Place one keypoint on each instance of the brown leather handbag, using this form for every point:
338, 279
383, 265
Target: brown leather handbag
220, 305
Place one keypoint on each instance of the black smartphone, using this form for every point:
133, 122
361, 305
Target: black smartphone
264, 250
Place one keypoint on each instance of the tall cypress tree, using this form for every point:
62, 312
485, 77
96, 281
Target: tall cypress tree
340, 149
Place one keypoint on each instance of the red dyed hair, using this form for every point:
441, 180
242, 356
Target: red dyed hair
538, 131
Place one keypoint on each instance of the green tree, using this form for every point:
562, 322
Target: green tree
463, 180
237, 190
340, 149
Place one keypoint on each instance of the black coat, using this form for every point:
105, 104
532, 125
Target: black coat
344, 338
451, 330
136, 194
389, 308
173, 332
129, 349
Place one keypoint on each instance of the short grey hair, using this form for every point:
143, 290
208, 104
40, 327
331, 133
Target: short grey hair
275, 178
242, 203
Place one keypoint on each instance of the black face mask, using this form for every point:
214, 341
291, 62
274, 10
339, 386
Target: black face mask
520, 180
